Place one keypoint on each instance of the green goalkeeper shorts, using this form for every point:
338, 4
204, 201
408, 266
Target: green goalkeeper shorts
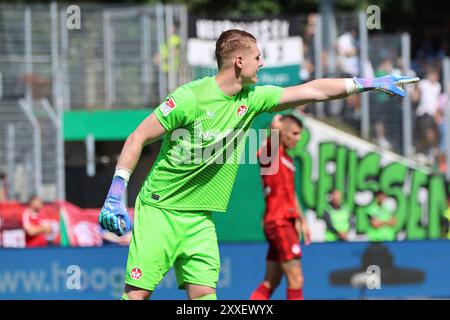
165, 238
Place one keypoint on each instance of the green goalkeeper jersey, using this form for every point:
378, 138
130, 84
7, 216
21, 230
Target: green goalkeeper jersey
200, 154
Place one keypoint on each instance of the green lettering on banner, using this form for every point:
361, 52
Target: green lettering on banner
307, 186
369, 170
414, 229
341, 162
351, 180
327, 152
437, 203
392, 180
362, 221
367, 174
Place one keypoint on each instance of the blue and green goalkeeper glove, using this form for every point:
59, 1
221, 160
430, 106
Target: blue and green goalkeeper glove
114, 216
391, 85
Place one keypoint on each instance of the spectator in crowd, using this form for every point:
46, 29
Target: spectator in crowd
445, 221
380, 136
428, 148
427, 95
337, 219
35, 226
385, 68
169, 56
399, 68
382, 220
307, 68
441, 125
347, 54
349, 66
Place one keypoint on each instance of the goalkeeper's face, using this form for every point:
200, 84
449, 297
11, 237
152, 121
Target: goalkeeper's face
249, 63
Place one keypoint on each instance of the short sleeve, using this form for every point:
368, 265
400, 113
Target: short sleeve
265, 98
177, 110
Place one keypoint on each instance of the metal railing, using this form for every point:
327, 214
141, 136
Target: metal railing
121, 58
133, 56
19, 154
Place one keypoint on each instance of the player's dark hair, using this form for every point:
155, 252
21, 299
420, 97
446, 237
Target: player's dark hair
229, 41
292, 118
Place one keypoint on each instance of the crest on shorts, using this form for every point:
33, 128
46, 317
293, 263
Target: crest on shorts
167, 106
296, 248
136, 273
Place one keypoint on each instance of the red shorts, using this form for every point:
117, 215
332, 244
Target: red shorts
284, 242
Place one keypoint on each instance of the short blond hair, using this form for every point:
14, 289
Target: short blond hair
231, 40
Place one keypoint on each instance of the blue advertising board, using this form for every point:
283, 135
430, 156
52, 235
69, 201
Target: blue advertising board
409, 269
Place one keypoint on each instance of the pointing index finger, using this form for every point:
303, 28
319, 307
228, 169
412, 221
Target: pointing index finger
406, 80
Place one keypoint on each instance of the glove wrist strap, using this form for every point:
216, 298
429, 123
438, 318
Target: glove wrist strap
123, 173
350, 86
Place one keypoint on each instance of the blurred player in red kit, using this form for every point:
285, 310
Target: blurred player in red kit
283, 218
35, 225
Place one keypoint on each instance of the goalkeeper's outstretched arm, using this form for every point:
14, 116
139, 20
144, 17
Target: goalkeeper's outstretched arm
331, 89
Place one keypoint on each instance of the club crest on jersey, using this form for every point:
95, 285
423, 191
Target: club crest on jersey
168, 106
136, 273
242, 110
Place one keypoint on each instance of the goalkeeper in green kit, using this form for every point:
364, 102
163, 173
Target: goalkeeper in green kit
203, 121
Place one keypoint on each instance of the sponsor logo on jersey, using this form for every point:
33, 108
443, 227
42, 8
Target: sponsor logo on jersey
242, 110
136, 273
167, 106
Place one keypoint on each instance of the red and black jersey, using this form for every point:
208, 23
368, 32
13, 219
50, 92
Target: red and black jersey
278, 184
